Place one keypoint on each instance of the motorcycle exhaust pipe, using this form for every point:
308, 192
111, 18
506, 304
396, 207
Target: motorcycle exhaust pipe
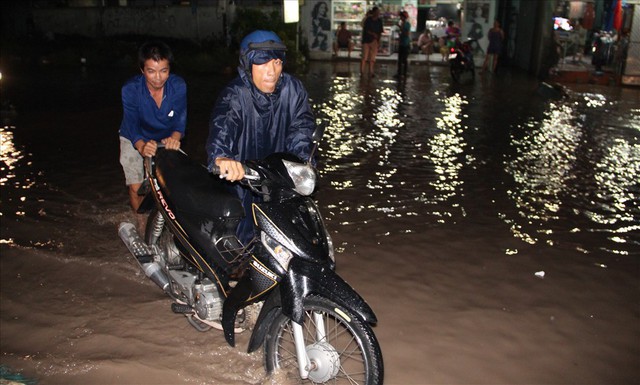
143, 254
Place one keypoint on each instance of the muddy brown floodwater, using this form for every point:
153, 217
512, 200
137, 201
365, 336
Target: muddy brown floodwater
492, 226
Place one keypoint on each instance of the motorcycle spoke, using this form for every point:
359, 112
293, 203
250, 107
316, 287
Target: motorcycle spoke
336, 334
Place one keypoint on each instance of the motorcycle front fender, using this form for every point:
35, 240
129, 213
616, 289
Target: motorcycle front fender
237, 299
303, 279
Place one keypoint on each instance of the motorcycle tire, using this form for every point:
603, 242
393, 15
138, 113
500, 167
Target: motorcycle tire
455, 74
349, 354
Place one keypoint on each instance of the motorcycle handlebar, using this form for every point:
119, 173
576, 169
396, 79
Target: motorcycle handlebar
249, 173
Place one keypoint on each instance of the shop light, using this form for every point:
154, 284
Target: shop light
291, 11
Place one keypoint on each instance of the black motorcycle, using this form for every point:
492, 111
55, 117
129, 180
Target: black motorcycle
461, 60
311, 323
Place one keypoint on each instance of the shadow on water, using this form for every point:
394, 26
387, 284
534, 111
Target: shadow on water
398, 157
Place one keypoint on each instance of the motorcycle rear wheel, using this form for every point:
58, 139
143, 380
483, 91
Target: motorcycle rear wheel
455, 73
349, 353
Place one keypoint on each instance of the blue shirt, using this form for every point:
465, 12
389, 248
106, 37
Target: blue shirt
405, 34
142, 119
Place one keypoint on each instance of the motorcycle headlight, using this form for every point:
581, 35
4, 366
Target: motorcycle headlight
303, 177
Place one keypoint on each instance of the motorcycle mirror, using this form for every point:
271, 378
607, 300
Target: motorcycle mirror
318, 133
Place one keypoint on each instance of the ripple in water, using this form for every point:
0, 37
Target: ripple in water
410, 154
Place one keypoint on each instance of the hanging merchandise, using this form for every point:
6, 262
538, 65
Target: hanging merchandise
617, 15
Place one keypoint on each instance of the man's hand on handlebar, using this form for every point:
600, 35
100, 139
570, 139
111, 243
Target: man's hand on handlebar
171, 143
147, 148
230, 169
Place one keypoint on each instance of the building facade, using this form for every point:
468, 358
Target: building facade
532, 42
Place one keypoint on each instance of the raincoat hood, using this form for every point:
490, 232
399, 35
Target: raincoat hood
260, 47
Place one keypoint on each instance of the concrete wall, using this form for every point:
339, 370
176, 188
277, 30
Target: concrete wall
176, 22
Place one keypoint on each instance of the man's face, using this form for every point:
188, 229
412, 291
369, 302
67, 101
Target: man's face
156, 73
265, 76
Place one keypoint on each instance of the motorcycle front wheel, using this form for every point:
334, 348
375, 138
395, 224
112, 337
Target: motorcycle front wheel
342, 348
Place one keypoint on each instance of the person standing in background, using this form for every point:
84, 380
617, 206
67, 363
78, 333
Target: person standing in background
579, 38
496, 36
404, 44
371, 33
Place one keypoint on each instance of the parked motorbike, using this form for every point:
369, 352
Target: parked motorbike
461, 60
309, 321
602, 49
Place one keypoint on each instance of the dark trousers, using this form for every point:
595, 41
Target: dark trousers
403, 56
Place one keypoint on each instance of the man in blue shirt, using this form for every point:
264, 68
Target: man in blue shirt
155, 110
262, 111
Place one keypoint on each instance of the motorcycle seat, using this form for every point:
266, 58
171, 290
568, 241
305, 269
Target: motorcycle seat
193, 189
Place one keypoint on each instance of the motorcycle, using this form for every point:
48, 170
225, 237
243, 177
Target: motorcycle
461, 60
310, 323
602, 50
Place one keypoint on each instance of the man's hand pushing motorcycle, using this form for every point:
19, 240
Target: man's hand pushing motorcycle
149, 148
171, 143
146, 148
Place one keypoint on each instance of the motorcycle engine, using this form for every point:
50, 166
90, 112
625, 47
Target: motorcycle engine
208, 303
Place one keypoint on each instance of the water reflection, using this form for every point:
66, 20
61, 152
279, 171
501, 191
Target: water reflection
9, 155
546, 155
15, 180
409, 153
570, 170
400, 158
446, 146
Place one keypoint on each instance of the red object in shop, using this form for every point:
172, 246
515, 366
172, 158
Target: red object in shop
617, 15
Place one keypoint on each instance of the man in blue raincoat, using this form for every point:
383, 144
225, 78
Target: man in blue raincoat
262, 111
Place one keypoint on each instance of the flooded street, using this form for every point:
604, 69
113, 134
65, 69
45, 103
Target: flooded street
493, 226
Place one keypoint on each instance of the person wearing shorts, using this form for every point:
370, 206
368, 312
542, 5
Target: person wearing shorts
371, 32
154, 111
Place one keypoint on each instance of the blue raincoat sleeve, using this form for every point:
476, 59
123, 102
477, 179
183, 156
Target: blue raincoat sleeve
225, 125
302, 127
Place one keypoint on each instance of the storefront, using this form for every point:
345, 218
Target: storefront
607, 31
630, 43
321, 18
530, 27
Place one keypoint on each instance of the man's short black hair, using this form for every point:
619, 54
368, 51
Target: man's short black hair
155, 50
